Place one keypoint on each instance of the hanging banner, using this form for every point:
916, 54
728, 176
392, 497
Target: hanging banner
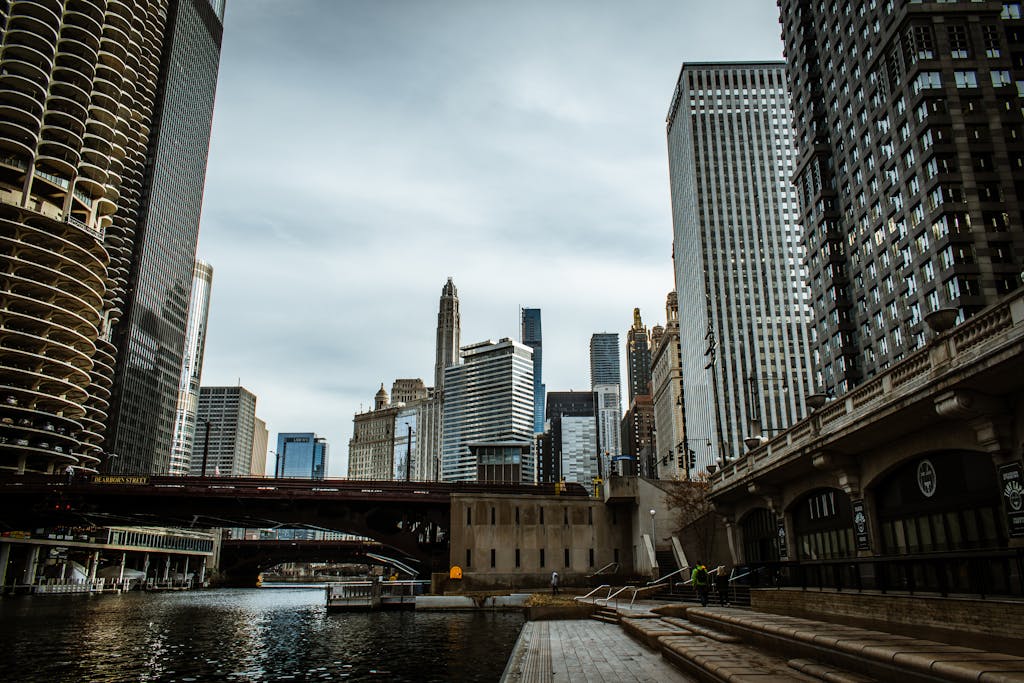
860, 525
1011, 485
781, 532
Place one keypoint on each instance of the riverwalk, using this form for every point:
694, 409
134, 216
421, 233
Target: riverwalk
652, 641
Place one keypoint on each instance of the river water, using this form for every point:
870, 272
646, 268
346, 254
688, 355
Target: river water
244, 635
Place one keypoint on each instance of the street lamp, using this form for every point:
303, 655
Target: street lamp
206, 443
653, 534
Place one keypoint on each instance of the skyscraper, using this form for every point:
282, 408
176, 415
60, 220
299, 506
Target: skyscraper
488, 413
371, 449
573, 430
150, 337
911, 168
87, 93
605, 382
301, 455
530, 335
671, 449
743, 304
191, 369
449, 327
638, 358
225, 432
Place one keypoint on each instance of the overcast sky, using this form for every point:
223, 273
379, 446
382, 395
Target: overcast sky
363, 151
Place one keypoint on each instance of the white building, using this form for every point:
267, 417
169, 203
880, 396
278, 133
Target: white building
488, 412
191, 369
228, 415
671, 446
739, 267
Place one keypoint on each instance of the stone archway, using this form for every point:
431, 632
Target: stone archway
823, 525
759, 529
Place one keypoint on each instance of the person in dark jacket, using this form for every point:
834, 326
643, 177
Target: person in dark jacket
722, 584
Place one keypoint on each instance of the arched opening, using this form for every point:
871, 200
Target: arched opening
760, 536
944, 501
823, 525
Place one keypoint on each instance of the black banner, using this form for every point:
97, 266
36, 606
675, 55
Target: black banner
861, 532
783, 550
1011, 487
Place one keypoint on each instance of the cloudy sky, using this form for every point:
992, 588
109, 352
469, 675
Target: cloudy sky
363, 151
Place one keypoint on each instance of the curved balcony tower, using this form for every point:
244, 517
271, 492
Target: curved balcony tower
77, 87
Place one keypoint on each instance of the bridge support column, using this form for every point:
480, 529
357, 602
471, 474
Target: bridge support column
145, 564
94, 565
202, 572
5, 557
29, 575
167, 568
120, 576
184, 572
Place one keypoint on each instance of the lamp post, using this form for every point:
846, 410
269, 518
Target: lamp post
206, 444
653, 529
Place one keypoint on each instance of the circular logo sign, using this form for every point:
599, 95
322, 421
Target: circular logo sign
926, 478
1014, 493
861, 521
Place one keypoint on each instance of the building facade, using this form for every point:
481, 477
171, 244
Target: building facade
301, 455
488, 400
449, 330
739, 272
572, 426
638, 436
191, 369
530, 335
606, 383
73, 169
225, 421
670, 447
260, 444
371, 450
910, 166
150, 337
638, 357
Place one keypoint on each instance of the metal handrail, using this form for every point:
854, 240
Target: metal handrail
614, 595
598, 572
667, 576
603, 585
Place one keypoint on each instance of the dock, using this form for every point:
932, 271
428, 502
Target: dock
371, 595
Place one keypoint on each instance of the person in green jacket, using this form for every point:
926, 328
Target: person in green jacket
699, 580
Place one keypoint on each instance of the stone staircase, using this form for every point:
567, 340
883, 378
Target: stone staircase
727, 644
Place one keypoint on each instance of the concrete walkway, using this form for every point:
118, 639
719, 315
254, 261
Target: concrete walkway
584, 650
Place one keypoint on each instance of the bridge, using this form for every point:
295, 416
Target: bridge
411, 517
242, 561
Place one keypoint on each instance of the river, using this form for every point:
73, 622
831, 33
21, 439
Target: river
244, 635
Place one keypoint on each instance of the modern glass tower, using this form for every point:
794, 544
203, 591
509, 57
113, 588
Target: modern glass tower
743, 304
150, 338
191, 369
488, 407
910, 169
301, 455
606, 383
531, 336
573, 422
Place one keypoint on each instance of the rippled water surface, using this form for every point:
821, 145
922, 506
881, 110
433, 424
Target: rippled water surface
244, 635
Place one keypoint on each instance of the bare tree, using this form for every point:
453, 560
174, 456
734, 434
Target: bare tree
698, 524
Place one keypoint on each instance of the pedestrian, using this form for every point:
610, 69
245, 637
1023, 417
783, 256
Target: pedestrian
722, 584
699, 580
69, 471
554, 583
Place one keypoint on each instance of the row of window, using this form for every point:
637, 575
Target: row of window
541, 557
540, 508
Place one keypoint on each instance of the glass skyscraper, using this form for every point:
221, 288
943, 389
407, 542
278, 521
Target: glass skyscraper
488, 408
531, 336
740, 278
192, 369
606, 383
150, 338
301, 455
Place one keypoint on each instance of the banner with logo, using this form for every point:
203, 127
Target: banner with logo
783, 550
860, 525
1011, 486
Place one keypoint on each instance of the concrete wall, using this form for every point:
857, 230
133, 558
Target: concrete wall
481, 524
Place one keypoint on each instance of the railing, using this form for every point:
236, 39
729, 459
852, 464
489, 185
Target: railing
601, 587
613, 565
981, 574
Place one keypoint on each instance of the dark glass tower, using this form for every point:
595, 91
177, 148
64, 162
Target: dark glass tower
638, 358
301, 455
910, 169
531, 336
150, 337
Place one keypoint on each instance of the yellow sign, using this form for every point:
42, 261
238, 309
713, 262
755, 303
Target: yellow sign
119, 479
455, 572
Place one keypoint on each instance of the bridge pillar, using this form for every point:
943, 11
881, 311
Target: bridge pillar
202, 572
5, 557
94, 565
29, 575
145, 564
167, 568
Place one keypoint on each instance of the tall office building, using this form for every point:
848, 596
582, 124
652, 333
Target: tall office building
191, 369
83, 97
225, 426
530, 335
605, 382
150, 338
572, 424
449, 329
670, 449
301, 455
371, 449
638, 357
738, 259
487, 429
260, 443
910, 169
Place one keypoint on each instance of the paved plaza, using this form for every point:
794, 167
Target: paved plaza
584, 650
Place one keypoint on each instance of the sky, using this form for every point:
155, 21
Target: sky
363, 151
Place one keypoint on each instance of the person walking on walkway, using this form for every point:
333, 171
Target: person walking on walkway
699, 579
722, 585
554, 583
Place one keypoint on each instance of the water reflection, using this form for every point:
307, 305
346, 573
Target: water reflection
244, 635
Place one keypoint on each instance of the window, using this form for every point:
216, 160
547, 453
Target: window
1001, 78
492, 517
542, 520
469, 557
517, 558
591, 557
966, 79
566, 557
926, 80
542, 558
469, 516
494, 557
958, 41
